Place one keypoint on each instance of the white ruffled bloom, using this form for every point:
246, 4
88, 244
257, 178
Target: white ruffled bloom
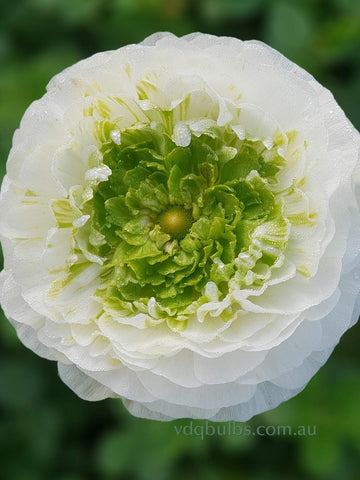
180, 227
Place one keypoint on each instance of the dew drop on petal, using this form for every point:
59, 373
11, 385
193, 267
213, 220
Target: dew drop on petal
80, 222
211, 291
115, 136
182, 135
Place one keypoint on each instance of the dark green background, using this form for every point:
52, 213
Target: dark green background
46, 432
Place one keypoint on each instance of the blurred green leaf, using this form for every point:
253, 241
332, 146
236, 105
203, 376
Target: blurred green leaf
321, 457
219, 10
72, 11
7, 331
335, 39
289, 27
347, 6
21, 384
118, 450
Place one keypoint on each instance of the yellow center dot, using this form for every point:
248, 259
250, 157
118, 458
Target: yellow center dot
175, 221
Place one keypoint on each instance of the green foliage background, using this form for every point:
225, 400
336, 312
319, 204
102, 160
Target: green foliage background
46, 432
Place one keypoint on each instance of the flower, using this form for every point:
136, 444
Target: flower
180, 227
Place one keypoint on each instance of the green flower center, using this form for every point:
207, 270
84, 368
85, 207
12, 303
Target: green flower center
171, 219
176, 222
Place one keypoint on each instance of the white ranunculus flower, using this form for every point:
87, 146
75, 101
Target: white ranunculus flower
180, 227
